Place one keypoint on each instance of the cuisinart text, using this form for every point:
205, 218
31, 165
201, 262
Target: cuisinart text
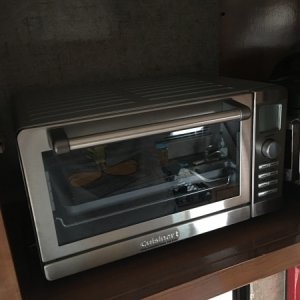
160, 240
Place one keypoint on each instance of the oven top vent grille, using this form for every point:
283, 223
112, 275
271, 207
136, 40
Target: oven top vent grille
79, 103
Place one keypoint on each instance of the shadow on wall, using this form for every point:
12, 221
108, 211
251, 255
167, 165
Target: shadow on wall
256, 35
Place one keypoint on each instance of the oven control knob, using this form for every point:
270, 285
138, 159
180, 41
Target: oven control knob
270, 149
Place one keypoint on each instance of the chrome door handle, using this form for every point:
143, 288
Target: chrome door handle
61, 144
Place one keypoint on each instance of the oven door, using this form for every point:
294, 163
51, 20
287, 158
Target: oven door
116, 185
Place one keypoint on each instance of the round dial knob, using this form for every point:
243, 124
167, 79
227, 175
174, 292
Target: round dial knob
270, 149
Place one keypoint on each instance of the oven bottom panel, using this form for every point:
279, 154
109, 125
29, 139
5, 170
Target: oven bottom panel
266, 206
100, 256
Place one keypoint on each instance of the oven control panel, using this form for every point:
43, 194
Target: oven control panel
268, 150
268, 179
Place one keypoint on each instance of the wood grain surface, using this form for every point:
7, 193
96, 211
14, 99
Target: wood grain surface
9, 288
196, 268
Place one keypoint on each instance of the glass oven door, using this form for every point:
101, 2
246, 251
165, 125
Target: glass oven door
114, 185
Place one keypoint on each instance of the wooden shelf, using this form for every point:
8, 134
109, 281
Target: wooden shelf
9, 288
197, 268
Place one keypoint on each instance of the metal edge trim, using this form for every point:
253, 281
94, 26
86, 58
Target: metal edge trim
100, 256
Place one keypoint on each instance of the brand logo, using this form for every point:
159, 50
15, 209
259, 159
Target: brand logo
159, 240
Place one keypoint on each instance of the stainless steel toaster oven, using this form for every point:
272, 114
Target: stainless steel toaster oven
121, 168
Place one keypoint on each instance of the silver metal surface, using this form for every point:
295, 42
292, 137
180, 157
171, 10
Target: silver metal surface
268, 165
293, 169
41, 205
159, 240
268, 183
270, 149
268, 192
141, 131
169, 105
96, 257
267, 96
61, 144
77, 104
268, 174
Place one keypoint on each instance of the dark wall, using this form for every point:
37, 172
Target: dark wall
256, 34
52, 42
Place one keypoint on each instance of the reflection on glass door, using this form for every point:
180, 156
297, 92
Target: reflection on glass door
111, 186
